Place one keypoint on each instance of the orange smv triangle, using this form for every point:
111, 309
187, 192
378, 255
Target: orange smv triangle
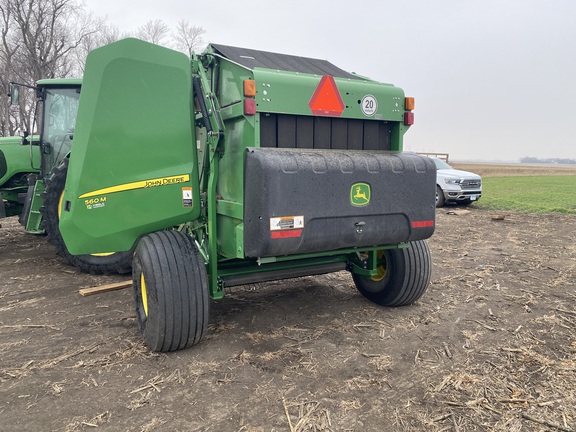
326, 100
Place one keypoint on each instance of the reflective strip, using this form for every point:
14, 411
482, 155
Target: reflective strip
423, 224
161, 181
286, 234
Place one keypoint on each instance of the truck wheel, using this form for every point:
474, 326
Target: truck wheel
403, 276
439, 197
170, 291
107, 263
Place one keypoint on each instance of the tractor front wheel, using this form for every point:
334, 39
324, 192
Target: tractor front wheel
403, 275
170, 291
106, 263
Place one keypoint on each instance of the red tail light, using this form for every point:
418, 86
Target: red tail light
408, 118
249, 107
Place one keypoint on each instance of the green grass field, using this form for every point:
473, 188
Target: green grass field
533, 194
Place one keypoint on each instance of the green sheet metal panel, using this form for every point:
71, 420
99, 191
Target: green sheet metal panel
134, 165
292, 93
16, 158
291, 84
241, 133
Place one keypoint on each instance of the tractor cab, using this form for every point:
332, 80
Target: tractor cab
56, 113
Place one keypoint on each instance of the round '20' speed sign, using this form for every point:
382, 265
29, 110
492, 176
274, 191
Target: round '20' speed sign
369, 105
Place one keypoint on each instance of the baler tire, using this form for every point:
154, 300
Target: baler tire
113, 263
170, 291
440, 200
404, 278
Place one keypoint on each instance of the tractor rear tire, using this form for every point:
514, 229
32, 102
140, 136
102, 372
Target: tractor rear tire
403, 276
170, 291
111, 263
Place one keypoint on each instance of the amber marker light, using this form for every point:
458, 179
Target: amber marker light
409, 103
249, 88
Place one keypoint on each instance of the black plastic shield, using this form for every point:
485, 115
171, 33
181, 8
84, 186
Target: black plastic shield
305, 201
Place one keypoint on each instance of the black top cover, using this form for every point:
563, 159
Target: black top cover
251, 58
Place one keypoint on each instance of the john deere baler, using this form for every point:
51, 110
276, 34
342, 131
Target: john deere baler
240, 166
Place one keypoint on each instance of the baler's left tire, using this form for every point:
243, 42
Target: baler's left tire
170, 291
108, 263
403, 275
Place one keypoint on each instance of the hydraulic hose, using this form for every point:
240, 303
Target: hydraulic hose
199, 95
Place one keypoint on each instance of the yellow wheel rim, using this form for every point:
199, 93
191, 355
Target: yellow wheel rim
144, 294
60, 204
381, 269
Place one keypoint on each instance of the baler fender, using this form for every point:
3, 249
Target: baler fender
134, 166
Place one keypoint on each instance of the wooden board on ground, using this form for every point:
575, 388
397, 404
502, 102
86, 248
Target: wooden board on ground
461, 212
105, 288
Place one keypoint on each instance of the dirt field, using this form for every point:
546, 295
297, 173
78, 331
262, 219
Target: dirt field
490, 347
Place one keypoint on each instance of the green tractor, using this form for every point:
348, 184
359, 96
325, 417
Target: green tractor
33, 172
18, 162
240, 166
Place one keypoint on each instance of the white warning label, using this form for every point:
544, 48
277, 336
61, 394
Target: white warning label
187, 197
286, 222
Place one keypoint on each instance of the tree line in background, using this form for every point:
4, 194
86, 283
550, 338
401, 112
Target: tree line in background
529, 159
43, 39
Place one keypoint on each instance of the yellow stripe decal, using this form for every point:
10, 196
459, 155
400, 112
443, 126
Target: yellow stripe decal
161, 181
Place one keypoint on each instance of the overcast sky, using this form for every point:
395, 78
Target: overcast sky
493, 79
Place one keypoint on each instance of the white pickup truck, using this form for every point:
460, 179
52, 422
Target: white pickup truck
455, 186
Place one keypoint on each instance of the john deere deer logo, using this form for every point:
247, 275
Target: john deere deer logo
360, 194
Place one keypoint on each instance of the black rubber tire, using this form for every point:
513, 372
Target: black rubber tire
118, 262
440, 200
173, 307
405, 279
